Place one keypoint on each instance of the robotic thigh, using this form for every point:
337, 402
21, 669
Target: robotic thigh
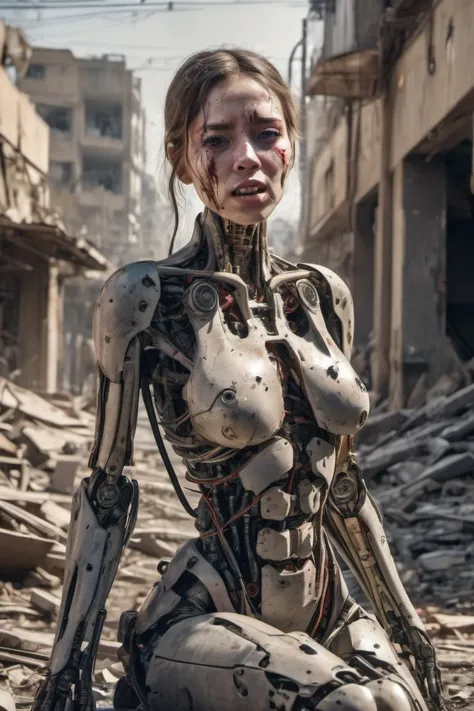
229, 661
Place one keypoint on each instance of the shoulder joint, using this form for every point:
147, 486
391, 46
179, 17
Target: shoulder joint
124, 309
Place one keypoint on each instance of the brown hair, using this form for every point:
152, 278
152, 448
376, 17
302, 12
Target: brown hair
190, 88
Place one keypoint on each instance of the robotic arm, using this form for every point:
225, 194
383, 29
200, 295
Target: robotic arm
356, 530
105, 506
355, 526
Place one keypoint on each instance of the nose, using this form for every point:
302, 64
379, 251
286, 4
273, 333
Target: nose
246, 157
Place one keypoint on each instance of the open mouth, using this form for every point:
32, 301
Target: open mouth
253, 190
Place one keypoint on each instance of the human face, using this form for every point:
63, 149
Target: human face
239, 151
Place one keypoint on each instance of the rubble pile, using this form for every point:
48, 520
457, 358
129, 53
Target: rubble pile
418, 463
44, 447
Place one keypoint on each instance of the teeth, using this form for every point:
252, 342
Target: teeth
248, 191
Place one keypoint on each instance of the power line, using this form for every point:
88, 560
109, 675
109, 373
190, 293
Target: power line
168, 6
61, 19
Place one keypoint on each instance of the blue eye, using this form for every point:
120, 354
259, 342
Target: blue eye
213, 141
269, 134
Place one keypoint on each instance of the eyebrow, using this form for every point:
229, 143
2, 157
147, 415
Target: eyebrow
228, 126
217, 127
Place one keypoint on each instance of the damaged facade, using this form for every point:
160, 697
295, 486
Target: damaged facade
391, 188
37, 256
94, 110
97, 176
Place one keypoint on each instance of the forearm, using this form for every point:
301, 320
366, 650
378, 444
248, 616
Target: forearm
102, 518
92, 558
355, 526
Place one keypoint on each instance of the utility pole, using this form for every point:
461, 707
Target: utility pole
303, 129
291, 60
304, 44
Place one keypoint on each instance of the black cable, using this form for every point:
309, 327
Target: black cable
185, 5
150, 408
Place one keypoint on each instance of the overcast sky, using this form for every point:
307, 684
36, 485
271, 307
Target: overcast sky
155, 42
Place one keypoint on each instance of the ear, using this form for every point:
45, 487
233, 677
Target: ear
183, 175
181, 170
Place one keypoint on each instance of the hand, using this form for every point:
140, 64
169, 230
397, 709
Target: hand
53, 694
426, 666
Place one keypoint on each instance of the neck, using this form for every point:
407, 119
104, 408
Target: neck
242, 244
241, 249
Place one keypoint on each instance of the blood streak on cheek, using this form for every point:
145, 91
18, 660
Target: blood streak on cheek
281, 152
210, 186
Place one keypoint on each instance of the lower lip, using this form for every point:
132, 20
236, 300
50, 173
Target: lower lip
255, 199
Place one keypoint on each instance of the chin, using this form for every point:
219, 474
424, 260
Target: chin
249, 216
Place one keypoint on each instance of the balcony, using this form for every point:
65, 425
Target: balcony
103, 126
355, 75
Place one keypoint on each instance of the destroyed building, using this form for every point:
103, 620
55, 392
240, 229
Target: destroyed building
390, 193
37, 254
94, 110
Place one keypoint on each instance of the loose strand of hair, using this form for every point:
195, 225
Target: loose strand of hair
174, 204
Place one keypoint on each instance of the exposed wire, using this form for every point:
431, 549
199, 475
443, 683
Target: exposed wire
150, 408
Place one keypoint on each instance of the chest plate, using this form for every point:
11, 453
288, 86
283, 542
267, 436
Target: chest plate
234, 394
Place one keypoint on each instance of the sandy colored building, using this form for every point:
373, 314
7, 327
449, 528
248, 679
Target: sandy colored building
391, 201
94, 111
37, 255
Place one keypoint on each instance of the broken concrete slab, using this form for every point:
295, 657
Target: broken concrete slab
18, 398
380, 425
64, 475
45, 601
7, 702
26, 640
454, 404
447, 468
19, 551
52, 512
459, 430
149, 544
441, 559
389, 454
39, 525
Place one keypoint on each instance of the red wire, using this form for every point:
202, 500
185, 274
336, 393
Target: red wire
229, 301
212, 482
234, 518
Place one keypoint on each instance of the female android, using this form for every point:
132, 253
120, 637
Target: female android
243, 359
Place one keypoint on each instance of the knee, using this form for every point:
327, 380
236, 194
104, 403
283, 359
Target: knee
380, 695
350, 697
389, 695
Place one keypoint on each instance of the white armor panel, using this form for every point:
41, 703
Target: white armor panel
342, 303
242, 657
162, 599
283, 545
124, 309
289, 597
268, 466
350, 698
337, 396
309, 496
234, 393
277, 505
323, 458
